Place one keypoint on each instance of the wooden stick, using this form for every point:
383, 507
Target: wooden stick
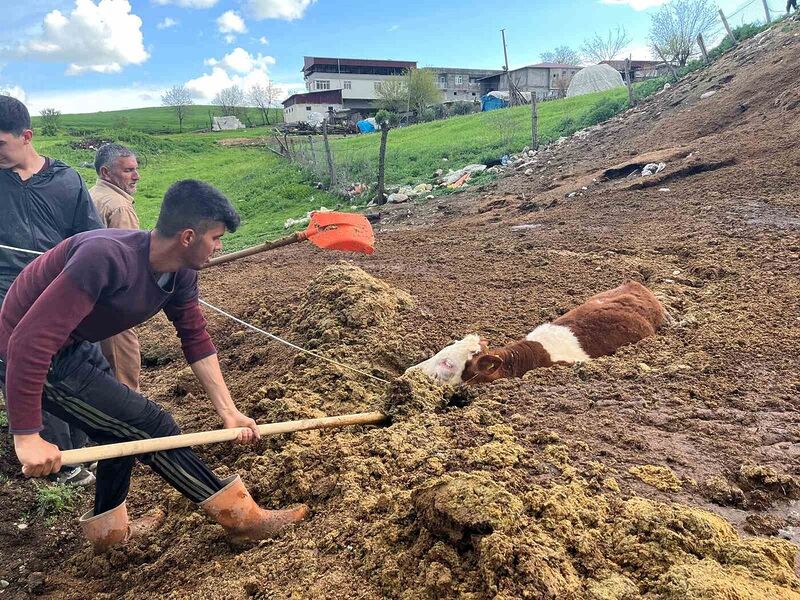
291, 239
631, 97
669, 64
702, 44
727, 27
93, 453
766, 11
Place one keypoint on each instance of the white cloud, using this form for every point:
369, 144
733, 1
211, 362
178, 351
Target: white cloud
236, 68
93, 100
636, 4
189, 3
279, 9
14, 91
393, 28
100, 37
637, 52
167, 23
263, 40
231, 22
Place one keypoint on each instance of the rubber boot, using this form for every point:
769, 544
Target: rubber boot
114, 528
234, 508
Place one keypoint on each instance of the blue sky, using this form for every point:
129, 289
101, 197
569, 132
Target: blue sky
87, 55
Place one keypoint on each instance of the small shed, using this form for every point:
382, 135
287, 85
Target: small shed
494, 100
595, 78
226, 124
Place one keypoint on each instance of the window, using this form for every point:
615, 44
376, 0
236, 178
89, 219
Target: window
330, 109
442, 81
455, 93
473, 93
473, 80
308, 108
377, 85
322, 84
459, 79
348, 85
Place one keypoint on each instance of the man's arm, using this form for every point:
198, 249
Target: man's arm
209, 374
122, 218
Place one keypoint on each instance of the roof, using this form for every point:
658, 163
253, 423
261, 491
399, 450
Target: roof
321, 97
310, 61
547, 65
635, 64
536, 66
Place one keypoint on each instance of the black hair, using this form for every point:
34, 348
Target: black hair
14, 117
192, 204
108, 153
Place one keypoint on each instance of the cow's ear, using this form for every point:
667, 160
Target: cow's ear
484, 344
488, 364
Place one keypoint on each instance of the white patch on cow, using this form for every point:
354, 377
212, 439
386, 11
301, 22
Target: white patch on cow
560, 343
447, 365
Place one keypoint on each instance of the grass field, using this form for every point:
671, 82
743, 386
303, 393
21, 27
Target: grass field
160, 119
267, 189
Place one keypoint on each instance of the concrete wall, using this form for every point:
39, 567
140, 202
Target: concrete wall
299, 112
361, 86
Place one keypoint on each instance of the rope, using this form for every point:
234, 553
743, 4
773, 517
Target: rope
249, 326
290, 344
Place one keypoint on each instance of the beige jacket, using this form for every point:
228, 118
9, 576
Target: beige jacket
114, 206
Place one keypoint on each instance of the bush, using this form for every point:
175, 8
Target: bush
50, 121
602, 111
120, 123
384, 115
427, 115
566, 127
650, 86
51, 500
462, 108
440, 110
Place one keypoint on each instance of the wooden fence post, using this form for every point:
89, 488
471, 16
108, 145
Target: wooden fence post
669, 64
631, 97
313, 154
727, 27
382, 162
328, 155
702, 44
534, 122
766, 10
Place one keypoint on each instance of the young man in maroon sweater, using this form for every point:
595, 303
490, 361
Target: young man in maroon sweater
89, 288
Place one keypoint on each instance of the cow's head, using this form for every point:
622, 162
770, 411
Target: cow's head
484, 368
447, 365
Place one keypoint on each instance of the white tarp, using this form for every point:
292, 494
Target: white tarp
226, 124
505, 95
596, 78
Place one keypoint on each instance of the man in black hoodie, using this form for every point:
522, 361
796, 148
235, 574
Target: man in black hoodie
42, 202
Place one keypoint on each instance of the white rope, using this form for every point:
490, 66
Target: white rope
249, 326
13, 249
290, 344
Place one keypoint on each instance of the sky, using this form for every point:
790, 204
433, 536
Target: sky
91, 55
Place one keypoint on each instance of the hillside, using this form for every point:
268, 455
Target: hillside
668, 471
158, 119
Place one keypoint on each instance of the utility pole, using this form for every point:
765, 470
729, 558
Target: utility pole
505, 55
766, 10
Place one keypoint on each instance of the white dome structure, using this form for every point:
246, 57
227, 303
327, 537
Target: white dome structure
595, 78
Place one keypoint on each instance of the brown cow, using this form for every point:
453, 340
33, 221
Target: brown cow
598, 327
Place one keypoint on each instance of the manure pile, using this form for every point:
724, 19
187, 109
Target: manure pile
446, 502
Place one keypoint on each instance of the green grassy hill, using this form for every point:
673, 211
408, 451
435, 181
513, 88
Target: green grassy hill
267, 189
159, 119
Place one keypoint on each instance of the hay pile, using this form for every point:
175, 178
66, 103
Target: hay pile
444, 503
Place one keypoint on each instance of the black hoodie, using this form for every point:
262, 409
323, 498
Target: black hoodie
38, 213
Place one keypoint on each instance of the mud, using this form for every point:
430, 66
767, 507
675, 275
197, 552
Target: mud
668, 470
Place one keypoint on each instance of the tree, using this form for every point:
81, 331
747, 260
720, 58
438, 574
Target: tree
563, 55
422, 89
179, 98
393, 95
50, 121
675, 26
231, 101
596, 49
263, 97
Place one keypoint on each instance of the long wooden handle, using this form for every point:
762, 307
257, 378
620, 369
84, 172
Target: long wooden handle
290, 239
93, 453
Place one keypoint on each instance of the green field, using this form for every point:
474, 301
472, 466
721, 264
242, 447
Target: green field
160, 119
266, 189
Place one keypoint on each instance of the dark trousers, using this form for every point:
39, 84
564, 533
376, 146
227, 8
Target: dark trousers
81, 389
61, 433
791, 4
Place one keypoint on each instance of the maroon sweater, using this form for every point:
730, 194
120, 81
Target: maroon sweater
87, 288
